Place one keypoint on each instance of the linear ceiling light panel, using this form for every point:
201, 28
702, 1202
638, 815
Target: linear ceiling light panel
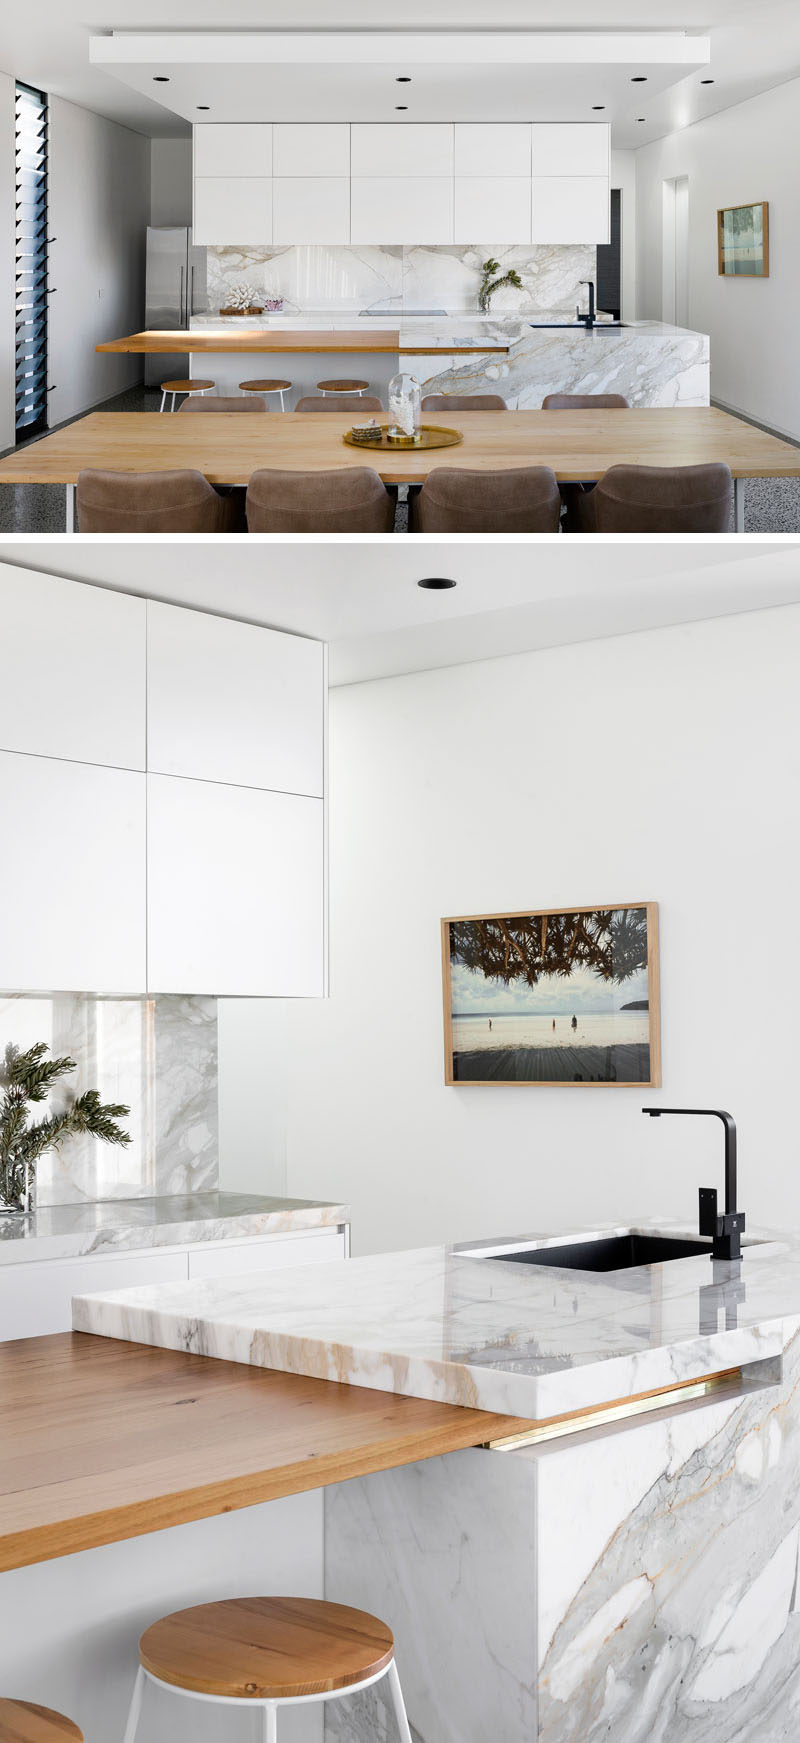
385, 48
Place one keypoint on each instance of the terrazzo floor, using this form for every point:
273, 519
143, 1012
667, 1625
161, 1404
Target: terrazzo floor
772, 505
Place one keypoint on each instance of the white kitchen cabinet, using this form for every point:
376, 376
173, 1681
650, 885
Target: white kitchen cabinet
237, 1258
233, 702
311, 209
72, 877
233, 149
236, 890
493, 208
393, 210
493, 148
570, 209
73, 670
321, 149
394, 150
232, 209
36, 1297
570, 149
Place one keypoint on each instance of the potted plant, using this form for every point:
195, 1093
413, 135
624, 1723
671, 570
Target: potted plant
29, 1077
490, 283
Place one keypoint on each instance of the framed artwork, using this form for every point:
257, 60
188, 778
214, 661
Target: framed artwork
553, 996
743, 241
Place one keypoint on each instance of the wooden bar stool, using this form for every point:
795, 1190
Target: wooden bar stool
280, 387
268, 1652
176, 387
346, 386
22, 1722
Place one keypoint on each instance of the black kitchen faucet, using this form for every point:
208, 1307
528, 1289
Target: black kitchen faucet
726, 1230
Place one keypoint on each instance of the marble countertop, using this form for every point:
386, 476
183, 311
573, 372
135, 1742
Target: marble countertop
68, 1230
519, 1339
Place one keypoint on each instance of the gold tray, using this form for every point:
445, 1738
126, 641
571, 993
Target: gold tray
428, 436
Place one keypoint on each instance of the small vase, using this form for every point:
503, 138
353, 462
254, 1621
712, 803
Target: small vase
405, 408
21, 1202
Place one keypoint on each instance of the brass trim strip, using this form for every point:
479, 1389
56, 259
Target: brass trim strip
728, 1381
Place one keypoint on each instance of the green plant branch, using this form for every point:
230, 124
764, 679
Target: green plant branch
27, 1078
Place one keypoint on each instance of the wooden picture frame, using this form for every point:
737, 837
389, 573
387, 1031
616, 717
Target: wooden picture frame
739, 258
524, 961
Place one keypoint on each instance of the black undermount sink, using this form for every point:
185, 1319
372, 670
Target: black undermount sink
575, 326
607, 1253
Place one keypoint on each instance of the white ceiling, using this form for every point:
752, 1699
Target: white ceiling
753, 47
363, 599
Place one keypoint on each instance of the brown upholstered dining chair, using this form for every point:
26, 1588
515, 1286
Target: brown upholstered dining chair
464, 402
659, 499
253, 403
525, 499
355, 404
585, 402
352, 499
152, 502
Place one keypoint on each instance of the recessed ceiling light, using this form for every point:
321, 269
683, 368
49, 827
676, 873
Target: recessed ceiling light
640, 119
598, 106
706, 81
401, 105
160, 79
204, 105
436, 583
403, 79
639, 79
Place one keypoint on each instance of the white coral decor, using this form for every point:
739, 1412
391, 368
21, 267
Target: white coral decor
243, 297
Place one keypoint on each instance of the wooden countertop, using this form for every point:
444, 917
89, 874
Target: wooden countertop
102, 1440
283, 342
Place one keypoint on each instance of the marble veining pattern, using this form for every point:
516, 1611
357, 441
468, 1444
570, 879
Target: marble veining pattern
648, 362
67, 1231
158, 1057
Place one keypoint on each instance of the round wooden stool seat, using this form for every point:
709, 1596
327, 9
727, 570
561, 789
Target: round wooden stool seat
266, 1648
345, 386
264, 386
186, 386
22, 1722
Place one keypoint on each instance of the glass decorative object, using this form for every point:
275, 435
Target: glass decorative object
405, 407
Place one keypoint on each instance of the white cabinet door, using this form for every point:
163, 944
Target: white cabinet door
237, 149
311, 150
73, 680
571, 149
392, 150
232, 209
392, 210
236, 891
570, 209
492, 208
36, 1298
233, 702
493, 149
237, 1258
313, 209
72, 877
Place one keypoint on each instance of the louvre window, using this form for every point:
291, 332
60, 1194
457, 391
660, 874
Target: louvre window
31, 264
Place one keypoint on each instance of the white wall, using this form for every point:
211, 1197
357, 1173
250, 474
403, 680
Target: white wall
7, 260
252, 1065
749, 152
171, 181
623, 176
659, 766
99, 211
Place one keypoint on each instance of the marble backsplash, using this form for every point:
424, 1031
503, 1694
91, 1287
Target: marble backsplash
363, 278
158, 1056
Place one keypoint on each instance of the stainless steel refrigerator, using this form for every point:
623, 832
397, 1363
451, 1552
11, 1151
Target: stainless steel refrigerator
175, 289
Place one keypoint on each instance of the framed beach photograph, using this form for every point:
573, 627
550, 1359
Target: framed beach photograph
743, 241
553, 996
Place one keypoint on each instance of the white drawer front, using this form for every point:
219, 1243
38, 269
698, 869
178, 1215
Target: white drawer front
236, 1258
36, 1299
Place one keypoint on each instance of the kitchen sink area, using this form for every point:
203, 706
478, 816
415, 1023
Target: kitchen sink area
616, 1252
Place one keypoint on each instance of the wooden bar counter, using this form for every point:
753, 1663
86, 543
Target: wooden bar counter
279, 342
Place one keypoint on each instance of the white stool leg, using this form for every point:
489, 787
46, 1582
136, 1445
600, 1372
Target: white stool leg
135, 1707
398, 1703
270, 1722
283, 408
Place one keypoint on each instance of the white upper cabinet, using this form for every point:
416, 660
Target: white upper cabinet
311, 150
492, 149
571, 149
570, 209
73, 670
232, 209
236, 891
232, 702
392, 150
492, 208
72, 877
235, 149
313, 209
392, 209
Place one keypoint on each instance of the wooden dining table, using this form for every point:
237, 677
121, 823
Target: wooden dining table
228, 447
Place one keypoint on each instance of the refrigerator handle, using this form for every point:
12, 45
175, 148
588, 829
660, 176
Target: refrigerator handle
190, 310
181, 301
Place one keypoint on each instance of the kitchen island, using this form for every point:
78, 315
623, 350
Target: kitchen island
627, 1566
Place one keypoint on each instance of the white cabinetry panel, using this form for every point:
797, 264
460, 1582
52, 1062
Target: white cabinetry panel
311, 209
492, 208
311, 150
36, 1298
396, 210
493, 149
570, 209
72, 880
237, 1258
236, 890
392, 150
233, 149
232, 702
231, 209
570, 149
73, 670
